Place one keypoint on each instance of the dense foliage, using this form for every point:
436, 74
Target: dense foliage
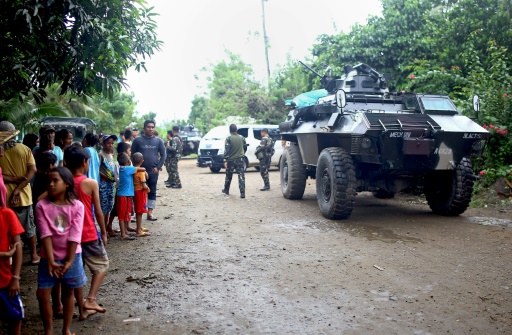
86, 46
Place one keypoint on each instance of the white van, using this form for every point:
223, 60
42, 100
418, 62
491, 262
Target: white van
211, 147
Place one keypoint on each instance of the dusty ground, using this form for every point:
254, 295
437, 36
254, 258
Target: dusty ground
219, 264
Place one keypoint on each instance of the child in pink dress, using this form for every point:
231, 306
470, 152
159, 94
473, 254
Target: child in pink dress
60, 221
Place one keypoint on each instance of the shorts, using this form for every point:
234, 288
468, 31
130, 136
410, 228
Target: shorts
11, 308
139, 202
74, 278
95, 256
124, 208
26, 216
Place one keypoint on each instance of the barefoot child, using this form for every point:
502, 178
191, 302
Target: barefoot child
94, 254
59, 220
122, 147
125, 193
10, 303
140, 192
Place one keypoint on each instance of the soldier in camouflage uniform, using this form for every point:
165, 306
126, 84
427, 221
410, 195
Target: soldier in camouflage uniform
174, 150
234, 153
264, 154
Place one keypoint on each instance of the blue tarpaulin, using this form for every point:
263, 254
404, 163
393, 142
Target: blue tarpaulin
307, 98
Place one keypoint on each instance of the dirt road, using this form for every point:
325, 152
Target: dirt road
219, 264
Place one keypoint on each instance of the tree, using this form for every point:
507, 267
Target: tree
87, 45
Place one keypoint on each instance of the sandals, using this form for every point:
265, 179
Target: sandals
143, 234
135, 229
99, 308
152, 218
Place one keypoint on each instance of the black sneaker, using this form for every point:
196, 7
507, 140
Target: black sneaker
226, 192
265, 188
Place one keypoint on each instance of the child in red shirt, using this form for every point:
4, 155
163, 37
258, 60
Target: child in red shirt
93, 246
11, 308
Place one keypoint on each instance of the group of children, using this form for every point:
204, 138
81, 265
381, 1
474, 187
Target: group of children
67, 209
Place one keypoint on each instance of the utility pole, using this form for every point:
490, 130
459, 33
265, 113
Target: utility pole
265, 40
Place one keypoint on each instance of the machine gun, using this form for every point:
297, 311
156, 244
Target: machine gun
376, 76
327, 82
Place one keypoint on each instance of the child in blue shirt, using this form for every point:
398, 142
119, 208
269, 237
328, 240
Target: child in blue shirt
125, 192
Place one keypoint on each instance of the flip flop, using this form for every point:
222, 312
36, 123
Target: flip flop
33, 262
143, 234
152, 218
128, 238
98, 309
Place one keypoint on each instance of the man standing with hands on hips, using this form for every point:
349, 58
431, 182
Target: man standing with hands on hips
152, 149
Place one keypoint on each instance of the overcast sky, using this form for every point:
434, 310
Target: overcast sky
196, 33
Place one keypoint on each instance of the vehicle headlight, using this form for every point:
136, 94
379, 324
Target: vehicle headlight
366, 143
478, 145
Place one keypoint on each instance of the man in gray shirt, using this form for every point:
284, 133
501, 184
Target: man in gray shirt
152, 149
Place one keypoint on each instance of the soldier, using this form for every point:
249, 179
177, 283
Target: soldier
174, 150
167, 162
235, 148
264, 153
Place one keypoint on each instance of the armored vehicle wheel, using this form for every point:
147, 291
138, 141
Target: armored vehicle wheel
335, 183
383, 194
293, 173
214, 169
450, 194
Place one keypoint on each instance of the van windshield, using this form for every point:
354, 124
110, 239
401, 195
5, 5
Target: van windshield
217, 133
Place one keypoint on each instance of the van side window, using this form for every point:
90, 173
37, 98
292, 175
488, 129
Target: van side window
274, 134
257, 134
243, 131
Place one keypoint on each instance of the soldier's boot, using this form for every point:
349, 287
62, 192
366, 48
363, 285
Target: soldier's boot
242, 195
176, 186
225, 190
265, 188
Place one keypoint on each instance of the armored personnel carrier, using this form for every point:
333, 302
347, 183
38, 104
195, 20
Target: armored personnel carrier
357, 136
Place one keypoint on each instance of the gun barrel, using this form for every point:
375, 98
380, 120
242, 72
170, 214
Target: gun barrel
310, 69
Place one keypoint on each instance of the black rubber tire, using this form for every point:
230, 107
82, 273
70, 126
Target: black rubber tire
214, 169
293, 173
450, 194
335, 184
383, 194
246, 164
